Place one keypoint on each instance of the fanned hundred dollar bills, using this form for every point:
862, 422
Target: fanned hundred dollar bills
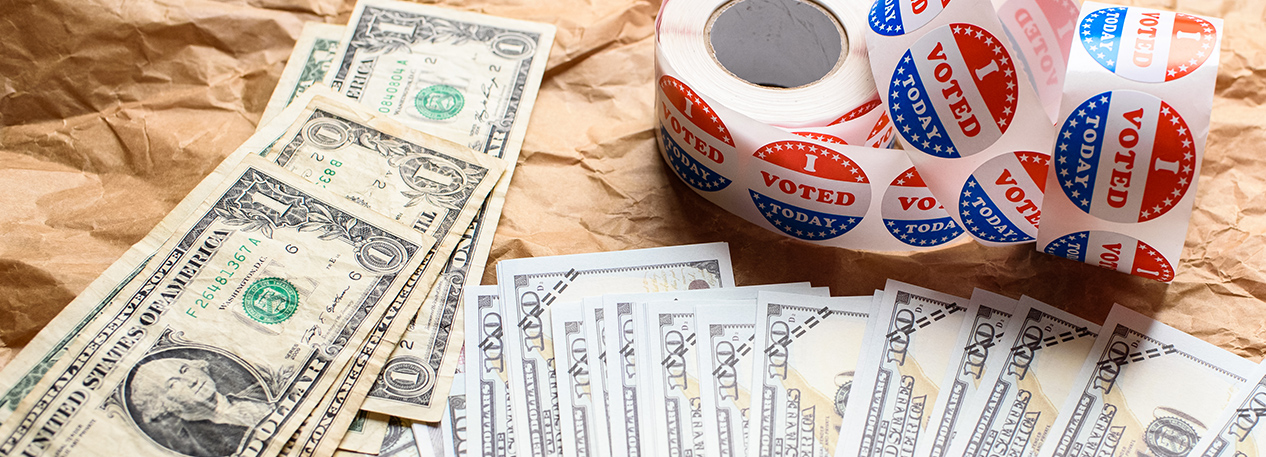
467, 78
806, 356
898, 376
531, 286
1146, 390
985, 324
632, 370
228, 340
1019, 400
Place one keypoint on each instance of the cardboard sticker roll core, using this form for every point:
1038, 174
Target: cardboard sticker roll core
768, 109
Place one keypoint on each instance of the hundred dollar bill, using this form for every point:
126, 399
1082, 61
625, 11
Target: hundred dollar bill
21, 374
907, 353
308, 64
454, 422
467, 78
1019, 400
632, 406
491, 434
576, 382
365, 434
1147, 390
227, 342
806, 354
1235, 432
671, 362
433, 185
727, 333
531, 286
595, 333
397, 441
986, 324
724, 363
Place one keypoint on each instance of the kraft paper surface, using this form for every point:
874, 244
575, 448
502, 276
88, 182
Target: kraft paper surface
111, 111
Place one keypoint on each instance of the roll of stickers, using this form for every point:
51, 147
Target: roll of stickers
1134, 120
786, 134
984, 97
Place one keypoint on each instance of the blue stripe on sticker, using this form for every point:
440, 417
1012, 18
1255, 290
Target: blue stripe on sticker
801, 223
929, 232
984, 220
1070, 246
1077, 150
913, 114
1100, 34
691, 171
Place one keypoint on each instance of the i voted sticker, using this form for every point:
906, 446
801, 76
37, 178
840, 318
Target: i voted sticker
954, 92
914, 216
810, 192
1125, 156
694, 173
1147, 45
693, 121
1113, 251
896, 17
1002, 200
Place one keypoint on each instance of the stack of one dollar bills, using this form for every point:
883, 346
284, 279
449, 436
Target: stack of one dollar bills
305, 298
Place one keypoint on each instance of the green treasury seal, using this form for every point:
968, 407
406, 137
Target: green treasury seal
270, 300
439, 102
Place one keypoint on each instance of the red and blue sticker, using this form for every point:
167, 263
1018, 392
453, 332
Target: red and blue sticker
811, 192
897, 17
954, 92
695, 139
1113, 251
1125, 156
1002, 200
1147, 45
914, 216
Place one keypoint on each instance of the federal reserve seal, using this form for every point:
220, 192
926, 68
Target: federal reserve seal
1170, 437
270, 300
439, 102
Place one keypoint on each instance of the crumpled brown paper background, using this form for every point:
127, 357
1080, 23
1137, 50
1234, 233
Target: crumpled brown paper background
112, 110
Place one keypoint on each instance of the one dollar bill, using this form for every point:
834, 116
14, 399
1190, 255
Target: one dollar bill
465, 77
229, 340
432, 185
309, 62
21, 374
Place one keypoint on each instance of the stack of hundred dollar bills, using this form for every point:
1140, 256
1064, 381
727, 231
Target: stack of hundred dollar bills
654, 353
304, 299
